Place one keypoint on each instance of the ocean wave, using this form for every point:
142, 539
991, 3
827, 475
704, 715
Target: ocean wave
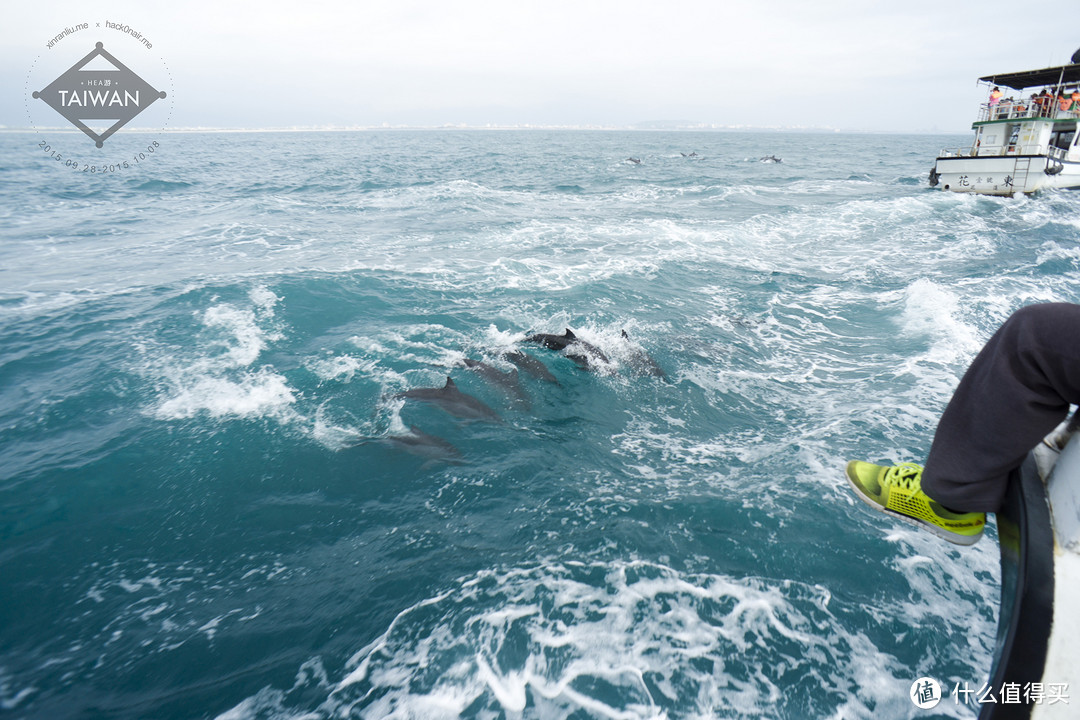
629, 639
204, 453
219, 379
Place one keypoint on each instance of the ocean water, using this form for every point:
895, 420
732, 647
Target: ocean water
213, 504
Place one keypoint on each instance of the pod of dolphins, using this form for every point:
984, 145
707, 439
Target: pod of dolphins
460, 404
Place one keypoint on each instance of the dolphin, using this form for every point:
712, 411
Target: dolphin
553, 342
634, 160
771, 159
641, 362
571, 346
530, 365
418, 442
508, 382
452, 400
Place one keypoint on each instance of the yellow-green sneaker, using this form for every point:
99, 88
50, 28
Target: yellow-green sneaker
897, 491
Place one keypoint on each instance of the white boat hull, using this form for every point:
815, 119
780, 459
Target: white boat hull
1006, 175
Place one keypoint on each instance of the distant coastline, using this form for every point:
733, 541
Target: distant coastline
642, 127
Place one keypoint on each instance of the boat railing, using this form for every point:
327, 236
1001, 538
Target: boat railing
1009, 109
1004, 151
956, 152
1014, 110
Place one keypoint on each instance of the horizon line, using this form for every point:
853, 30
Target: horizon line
639, 127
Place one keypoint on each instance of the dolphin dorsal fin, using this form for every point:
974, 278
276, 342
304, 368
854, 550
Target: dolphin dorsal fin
570, 334
449, 384
625, 336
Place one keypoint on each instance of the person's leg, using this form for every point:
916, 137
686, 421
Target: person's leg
1016, 391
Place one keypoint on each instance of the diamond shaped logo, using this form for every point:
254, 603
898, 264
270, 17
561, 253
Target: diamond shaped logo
109, 91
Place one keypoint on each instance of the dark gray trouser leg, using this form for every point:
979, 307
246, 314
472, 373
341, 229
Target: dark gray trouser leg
1016, 391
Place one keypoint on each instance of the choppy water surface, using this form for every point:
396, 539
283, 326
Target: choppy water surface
212, 505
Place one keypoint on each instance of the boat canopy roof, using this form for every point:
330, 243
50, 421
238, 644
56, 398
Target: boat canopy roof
1064, 74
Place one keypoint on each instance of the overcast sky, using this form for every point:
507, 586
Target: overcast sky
898, 66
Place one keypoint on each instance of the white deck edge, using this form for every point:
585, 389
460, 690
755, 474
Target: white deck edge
1063, 652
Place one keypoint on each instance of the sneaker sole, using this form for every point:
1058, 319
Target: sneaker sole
954, 538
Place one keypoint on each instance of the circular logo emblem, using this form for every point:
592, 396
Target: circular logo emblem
925, 693
94, 93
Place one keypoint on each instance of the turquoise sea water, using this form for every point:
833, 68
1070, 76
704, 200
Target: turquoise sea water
213, 506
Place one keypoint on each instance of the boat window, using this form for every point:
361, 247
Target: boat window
1062, 138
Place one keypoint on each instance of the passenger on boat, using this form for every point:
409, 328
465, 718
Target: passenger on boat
995, 98
1004, 108
1064, 102
1016, 391
1044, 102
1076, 103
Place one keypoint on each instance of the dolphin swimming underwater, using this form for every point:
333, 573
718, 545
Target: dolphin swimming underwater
531, 365
570, 345
415, 441
418, 442
452, 400
641, 362
508, 382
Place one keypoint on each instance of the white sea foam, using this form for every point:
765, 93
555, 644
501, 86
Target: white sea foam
262, 393
933, 312
933, 317
340, 368
623, 640
10, 699
332, 434
219, 379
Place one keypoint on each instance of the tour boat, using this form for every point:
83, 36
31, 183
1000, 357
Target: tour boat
1024, 141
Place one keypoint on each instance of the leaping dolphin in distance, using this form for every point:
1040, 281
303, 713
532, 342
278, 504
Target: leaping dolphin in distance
452, 400
531, 365
571, 346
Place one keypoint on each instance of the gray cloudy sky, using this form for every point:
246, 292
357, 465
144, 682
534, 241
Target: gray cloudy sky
897, 66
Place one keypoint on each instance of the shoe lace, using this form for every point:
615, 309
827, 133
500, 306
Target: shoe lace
906, 475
